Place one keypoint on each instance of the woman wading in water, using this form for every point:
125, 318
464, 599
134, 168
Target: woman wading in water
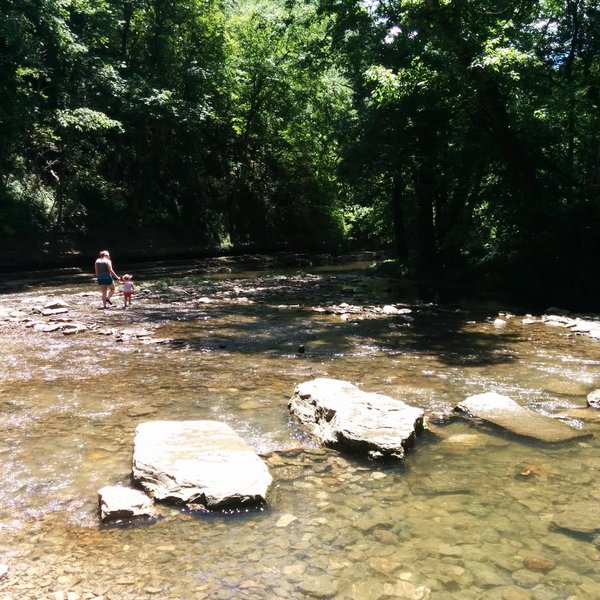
106, 277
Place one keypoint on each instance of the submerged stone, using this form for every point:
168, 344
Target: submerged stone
198, 462
580, 518
587, 414
540, 565
504, 412
341, 415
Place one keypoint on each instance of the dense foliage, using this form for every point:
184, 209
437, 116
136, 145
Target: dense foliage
461, 133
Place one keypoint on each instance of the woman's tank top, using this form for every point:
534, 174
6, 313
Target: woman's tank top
103, 270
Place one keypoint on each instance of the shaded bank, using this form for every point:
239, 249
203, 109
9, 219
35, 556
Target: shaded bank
58, 250
71, 255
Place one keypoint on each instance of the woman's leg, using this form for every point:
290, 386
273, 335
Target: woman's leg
103, 289
111, 291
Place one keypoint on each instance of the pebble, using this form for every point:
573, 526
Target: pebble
285, 520
539, 564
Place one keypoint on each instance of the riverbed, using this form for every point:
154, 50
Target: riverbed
468, 515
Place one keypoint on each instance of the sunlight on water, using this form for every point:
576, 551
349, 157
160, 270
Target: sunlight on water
469, 515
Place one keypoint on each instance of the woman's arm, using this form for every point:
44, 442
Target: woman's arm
110, 270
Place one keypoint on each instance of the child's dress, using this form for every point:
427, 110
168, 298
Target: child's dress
127, 289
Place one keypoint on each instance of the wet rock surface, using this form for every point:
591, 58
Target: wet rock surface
341, 415
593, 399
200, 463
579, 518
504, 412
118, 503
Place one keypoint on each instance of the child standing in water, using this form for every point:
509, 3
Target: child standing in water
128, 289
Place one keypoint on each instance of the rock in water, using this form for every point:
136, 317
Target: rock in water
504, 412
341, 415
200, 463
579, 518
593, 399
119, 503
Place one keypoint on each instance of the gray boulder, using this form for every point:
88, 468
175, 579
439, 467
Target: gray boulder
340, 415
199, 463
119, 503
504, 412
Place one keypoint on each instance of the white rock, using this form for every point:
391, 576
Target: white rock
199, 462
47, 312
55, 304
73, 328
506, 413
390, 309
341, 415
118, 503
593, 399
49, 328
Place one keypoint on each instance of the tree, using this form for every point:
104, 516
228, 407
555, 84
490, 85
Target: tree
286, 98
476, 147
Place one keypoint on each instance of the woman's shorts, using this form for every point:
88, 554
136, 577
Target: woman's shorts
105, 281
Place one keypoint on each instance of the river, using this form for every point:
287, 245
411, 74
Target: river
467, 516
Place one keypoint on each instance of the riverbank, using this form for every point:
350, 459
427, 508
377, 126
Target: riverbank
69, 255
64, 250
61, 250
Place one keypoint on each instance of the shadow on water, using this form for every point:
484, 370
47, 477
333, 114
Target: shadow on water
317, 318
219, 267
454, 346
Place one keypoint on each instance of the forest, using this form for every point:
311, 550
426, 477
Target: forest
461, 136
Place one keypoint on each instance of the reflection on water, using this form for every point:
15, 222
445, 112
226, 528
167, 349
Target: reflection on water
468, 516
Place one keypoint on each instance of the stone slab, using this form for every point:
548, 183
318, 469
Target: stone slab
119, 503
579, 518
504, 412
198, 462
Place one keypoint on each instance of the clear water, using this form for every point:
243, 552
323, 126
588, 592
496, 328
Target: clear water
459, 519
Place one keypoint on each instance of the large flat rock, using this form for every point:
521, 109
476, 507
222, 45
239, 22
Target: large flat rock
341, 415
504, 412
198, 462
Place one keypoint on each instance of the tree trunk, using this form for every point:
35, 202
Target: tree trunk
398, 214
425, 251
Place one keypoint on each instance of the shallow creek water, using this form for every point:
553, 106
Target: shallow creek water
468, 515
